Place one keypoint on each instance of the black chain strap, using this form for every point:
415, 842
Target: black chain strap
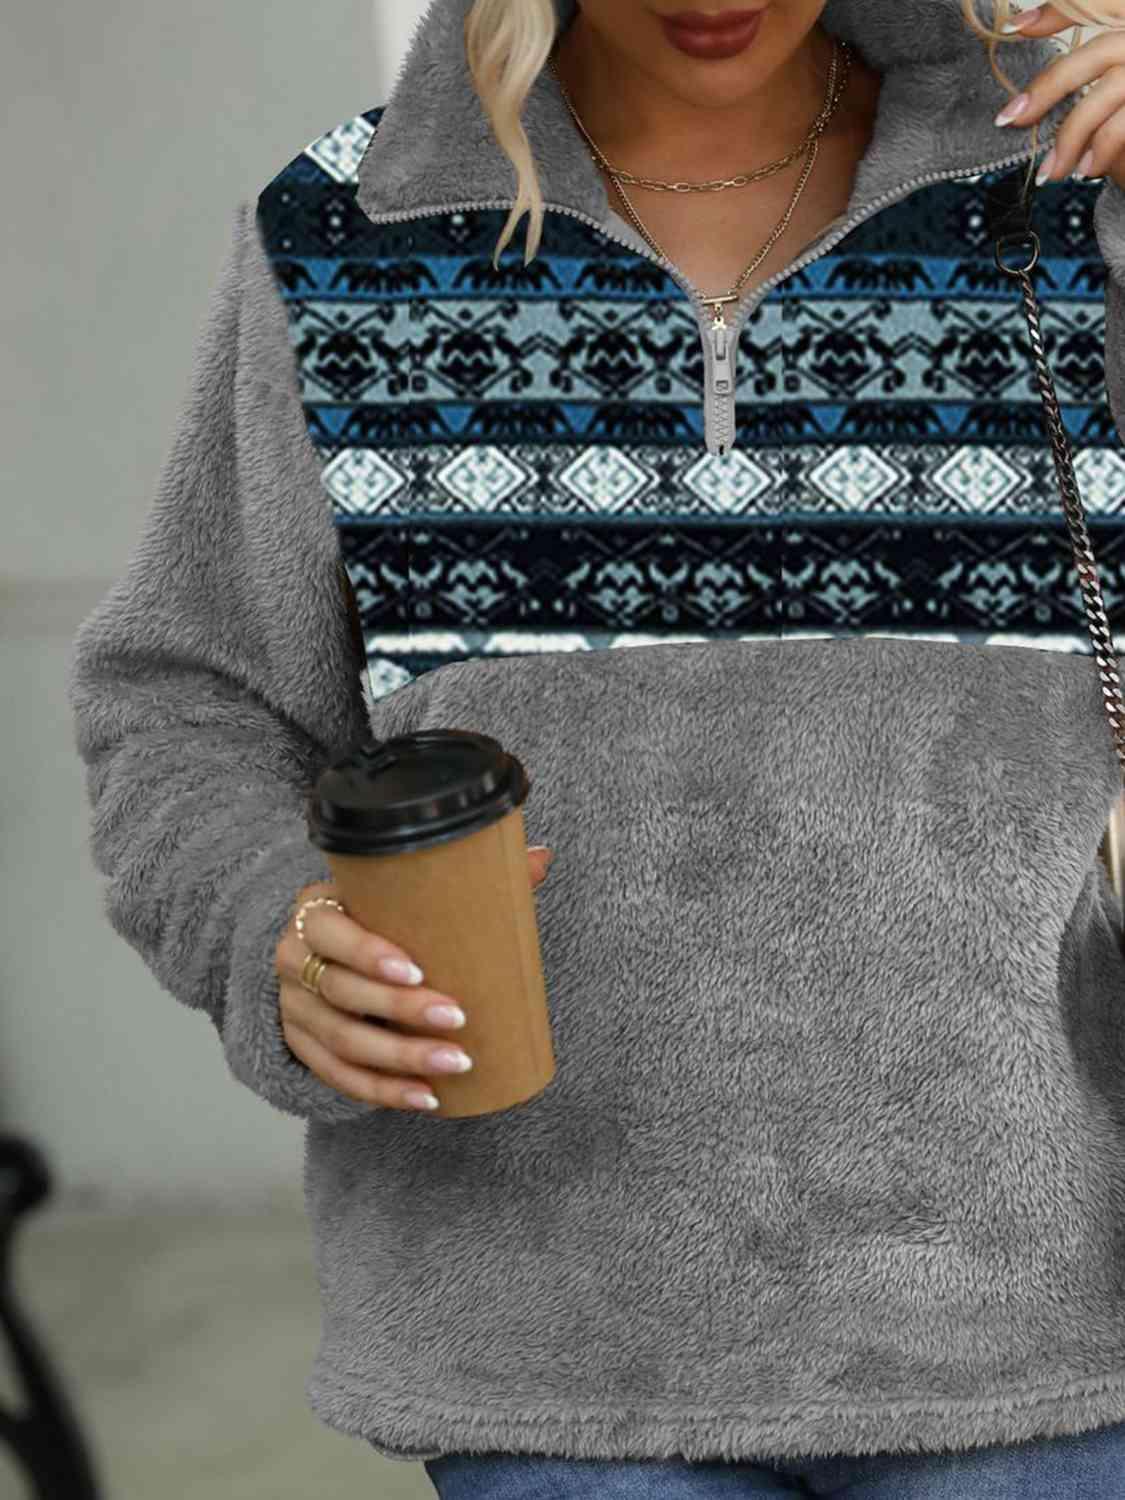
1008, 208
1071, 501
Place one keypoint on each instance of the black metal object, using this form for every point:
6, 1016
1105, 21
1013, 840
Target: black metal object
45, 1436
1008, 210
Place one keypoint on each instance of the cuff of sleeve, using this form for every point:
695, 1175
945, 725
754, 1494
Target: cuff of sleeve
1109, 228
255, 1046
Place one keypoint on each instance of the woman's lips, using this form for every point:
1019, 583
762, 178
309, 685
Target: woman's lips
712, 36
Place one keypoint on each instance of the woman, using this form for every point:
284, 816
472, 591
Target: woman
826, 1196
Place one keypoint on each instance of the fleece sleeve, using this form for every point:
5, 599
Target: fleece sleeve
212, 683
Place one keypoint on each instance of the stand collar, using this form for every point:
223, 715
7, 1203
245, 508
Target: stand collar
433, 149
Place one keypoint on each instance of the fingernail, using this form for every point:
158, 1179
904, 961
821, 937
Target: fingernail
450, 1060
1013, 108
399, 970
1025, 18
1045, 170
420, 1100
1085, 166
445, 1015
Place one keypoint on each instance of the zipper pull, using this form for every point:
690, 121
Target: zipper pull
720, 350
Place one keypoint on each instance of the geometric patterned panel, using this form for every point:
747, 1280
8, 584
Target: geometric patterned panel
469, 580
611, 479
857, 574
515, 459
339, 152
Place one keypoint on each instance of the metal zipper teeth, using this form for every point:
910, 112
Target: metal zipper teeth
744, 309
695, 296
725, 416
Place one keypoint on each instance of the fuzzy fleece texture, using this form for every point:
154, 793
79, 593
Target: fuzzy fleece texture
213, 682
936, 111
834, 1160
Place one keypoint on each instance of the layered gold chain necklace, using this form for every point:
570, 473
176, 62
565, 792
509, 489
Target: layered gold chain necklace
837, 84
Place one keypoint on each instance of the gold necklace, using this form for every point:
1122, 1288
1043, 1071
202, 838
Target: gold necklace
834, 95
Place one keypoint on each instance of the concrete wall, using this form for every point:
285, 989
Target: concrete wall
134, 129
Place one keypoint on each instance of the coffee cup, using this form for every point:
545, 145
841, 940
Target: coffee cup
425, 837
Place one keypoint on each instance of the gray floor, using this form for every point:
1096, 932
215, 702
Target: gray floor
185, 1340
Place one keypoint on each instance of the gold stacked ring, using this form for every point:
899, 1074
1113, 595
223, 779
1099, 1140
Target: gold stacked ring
314, 966
311, 970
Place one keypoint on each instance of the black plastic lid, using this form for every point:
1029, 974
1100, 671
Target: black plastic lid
413, 791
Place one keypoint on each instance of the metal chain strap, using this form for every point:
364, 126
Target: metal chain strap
1113, 846
1093, 599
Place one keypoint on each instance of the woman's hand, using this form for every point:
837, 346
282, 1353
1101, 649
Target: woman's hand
367, 979
1091, 140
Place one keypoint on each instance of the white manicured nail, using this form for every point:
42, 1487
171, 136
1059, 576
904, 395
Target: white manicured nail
399, 971
420, 1100
450, 1059
445, 1015
1012, 110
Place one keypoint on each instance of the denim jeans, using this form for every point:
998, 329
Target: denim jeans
1077, 1466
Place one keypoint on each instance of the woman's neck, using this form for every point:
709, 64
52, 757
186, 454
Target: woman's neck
654, 132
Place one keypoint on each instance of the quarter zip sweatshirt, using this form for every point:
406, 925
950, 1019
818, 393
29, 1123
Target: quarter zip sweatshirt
834, 1158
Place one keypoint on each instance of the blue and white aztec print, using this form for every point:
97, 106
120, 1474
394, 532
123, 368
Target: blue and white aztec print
515, 459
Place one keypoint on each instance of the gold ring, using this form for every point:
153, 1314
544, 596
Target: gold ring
311, 970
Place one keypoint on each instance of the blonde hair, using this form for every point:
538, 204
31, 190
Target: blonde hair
507, 43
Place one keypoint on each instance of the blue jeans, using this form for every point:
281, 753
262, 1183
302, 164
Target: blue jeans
1077, 1466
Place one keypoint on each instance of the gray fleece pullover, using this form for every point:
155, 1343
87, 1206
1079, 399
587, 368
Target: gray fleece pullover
834, 1160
